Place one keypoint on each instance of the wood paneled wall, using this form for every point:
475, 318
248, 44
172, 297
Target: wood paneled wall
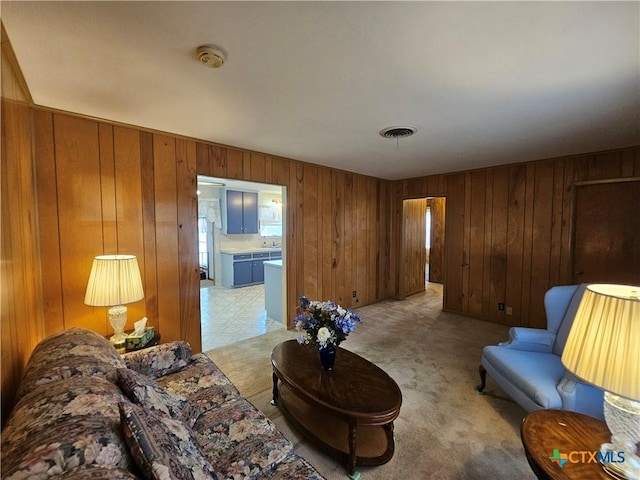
508, 230
21, 306
337, 224
105, 188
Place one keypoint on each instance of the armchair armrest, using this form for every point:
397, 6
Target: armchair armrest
530, 339
580, 396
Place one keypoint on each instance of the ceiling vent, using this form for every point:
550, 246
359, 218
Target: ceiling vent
211, 56
398, 131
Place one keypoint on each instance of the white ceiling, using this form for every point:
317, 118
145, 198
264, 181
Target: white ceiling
485, 83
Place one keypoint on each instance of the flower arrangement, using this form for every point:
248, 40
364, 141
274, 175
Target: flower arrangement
324, 323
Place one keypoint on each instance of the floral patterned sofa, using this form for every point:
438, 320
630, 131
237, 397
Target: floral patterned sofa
84, 411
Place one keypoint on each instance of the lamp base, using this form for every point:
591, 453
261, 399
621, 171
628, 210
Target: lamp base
620, 457
118, 319
620, 470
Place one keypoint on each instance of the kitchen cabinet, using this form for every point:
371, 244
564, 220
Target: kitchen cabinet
240, 212
242, 269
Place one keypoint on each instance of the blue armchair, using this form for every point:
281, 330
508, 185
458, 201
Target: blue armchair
528, 366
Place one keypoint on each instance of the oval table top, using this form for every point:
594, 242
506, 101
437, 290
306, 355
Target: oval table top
355, 388
553, 436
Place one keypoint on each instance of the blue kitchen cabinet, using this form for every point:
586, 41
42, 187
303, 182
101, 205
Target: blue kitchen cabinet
239, 270
258, 266
242, 273
241, 209
257, 271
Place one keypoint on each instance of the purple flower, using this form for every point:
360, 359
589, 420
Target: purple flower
304, 302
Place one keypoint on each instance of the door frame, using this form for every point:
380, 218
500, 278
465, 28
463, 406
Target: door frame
401, 290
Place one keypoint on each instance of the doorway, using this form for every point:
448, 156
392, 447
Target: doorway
422, 244
237, 268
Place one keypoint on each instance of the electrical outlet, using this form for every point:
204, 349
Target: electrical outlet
501, 306
354, 294
509, 310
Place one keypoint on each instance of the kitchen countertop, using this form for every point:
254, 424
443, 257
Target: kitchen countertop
274, 263
237, 251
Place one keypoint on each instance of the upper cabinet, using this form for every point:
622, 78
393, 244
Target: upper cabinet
240, 211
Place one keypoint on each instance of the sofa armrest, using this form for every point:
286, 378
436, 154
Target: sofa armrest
530, 339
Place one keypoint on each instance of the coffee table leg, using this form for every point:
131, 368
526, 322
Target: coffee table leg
353, 436
274, 399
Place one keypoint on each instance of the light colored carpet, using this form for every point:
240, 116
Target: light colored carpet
445, 429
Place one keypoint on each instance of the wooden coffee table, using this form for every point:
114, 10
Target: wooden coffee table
348, 411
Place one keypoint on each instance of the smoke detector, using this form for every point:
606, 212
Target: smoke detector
398, 131
210, 56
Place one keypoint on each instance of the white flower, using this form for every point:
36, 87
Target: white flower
324, 335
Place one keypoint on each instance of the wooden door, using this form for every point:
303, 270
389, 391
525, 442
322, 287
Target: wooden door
606, 246
436, 253
414, 244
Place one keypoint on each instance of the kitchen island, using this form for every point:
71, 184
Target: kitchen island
273, 290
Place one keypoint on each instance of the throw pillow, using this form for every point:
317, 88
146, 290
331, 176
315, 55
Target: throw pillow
160, 360
146, 392
163, 447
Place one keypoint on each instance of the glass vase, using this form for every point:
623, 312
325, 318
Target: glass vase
327, 357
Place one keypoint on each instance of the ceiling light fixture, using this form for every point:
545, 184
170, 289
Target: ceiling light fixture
211, 56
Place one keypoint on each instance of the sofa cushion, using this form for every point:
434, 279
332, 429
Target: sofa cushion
201, 382
160, 360
73, 352
146, 392
239, 441
95, 472
535, 374
62, 425
163, 447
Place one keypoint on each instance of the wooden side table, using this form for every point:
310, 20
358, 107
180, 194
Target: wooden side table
572, 437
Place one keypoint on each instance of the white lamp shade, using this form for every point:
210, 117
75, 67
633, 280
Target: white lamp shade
603, 347
114, 280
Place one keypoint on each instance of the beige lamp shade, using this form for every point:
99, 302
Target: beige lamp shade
603, 347
114, 280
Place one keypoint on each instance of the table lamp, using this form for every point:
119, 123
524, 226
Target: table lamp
114, 281
603, 348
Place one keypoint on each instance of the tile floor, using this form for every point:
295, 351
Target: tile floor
229, 315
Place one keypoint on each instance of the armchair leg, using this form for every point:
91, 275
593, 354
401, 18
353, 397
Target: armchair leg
483, 380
